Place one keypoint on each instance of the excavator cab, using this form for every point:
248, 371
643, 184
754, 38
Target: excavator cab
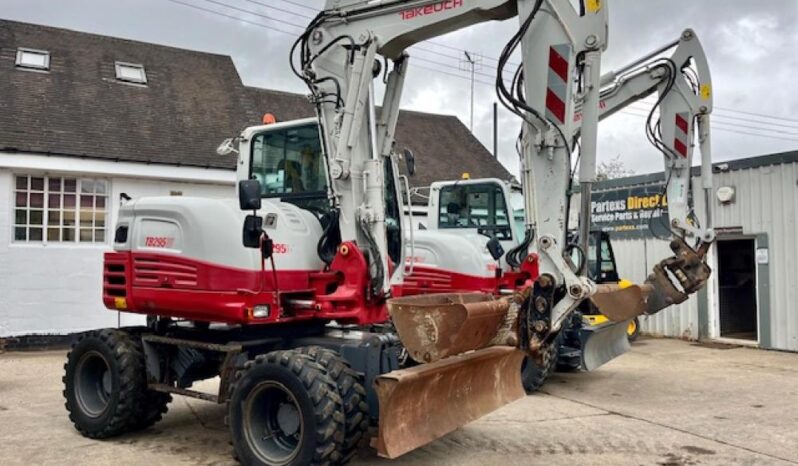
288, 161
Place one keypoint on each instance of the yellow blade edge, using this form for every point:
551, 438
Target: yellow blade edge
423, 403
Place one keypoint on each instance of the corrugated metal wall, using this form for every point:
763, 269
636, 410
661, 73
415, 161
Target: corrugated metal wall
766, 202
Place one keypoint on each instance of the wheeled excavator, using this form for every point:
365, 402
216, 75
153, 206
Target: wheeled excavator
303, 313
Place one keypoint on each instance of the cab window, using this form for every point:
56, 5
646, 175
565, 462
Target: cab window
289, 161
478, 206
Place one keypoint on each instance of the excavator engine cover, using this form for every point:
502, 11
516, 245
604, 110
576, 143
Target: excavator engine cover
425, 402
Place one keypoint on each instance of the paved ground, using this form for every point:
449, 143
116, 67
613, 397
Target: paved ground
666, 403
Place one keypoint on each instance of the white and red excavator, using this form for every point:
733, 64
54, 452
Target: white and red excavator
318, 317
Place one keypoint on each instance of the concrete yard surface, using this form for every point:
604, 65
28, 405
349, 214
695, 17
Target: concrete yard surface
667, 402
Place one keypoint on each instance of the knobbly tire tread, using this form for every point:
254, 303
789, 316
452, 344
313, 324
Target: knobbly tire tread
353, 395
535, 378
126, 403
323, 393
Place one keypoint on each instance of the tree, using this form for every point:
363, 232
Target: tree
613, 168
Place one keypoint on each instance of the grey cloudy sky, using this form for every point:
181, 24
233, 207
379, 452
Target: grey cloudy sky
751, 48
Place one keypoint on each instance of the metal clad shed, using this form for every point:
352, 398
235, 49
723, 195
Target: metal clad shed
757, 250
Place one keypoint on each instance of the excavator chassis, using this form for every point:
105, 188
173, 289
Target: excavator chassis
411, 404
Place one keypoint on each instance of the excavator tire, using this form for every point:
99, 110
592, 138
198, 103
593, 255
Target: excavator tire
153, 404
532, 376
105, 385
284, 408
353, 395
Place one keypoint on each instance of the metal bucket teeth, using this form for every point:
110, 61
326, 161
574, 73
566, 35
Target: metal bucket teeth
425, 402
436, 326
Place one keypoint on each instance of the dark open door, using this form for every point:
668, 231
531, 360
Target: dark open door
737, 286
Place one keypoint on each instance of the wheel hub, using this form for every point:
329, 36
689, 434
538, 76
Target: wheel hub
273, 423
288, 418
93, 384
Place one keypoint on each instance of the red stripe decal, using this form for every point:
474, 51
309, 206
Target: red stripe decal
555, 105
680, 147
681, 123
558, 64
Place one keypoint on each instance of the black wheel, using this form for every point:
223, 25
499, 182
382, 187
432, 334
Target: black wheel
105, 384
284, 409
533, 376
353, 395
633, 330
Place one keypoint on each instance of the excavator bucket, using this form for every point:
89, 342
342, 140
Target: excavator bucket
435, 326
621, 303
425, 402
602, 343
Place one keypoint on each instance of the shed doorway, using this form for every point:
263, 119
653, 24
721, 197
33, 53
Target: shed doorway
737, 289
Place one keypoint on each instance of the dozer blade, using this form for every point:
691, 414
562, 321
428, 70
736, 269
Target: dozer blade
435, 326
603, 343
621, 303
425, 402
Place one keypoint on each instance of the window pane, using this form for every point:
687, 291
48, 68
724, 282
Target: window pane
100, 202
86, 201
37, 184
20, 217
37, 200
130, 72
33, 59
87, 186
22, 199
99, 218
85, 218
289, 161
19, 234
99, 187
69, 201
35, 234
53, 234
69, 185
36, 217
69, 218
99, 236
54, 184
54, 201
68, 234
53, 217
86, 235
22, 182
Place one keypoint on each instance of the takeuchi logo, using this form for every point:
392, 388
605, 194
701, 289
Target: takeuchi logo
431, 9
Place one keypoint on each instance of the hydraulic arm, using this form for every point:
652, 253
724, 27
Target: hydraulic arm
683, 86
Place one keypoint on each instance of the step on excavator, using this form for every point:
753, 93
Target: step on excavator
304, 313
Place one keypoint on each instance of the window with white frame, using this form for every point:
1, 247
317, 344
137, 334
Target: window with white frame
33, 59
131, 72
55, 209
